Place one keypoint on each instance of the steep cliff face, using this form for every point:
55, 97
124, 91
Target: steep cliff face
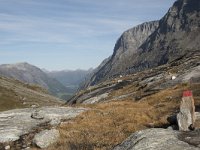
155, 43
178, 34
125, 48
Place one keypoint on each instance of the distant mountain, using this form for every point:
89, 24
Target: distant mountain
88, 78
70, 78
155, 43
31, 74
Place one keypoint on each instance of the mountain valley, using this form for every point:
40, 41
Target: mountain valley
129, 102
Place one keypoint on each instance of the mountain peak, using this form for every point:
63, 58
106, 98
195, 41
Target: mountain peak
155, 43
181, 16
28, 73
19, 66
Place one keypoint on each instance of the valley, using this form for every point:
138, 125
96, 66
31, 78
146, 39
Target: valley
134, 100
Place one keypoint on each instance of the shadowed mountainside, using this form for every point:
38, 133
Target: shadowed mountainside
176, 34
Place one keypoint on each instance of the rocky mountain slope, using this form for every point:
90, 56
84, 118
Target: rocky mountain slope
141, 84
124, 50
31, 74
155, 43
15, 94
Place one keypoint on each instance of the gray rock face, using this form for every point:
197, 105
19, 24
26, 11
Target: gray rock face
96, 99
46, 137
15, 123
177, 35
125, 49
155, 139
150, 45
186, 116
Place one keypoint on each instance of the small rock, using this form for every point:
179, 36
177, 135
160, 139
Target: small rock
170, 128
24, 146
33, 106
119, 81
46, 137
173, 77
37, 115
55, 121
7, 147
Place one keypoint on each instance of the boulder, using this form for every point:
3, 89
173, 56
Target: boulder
46, 138
155, 139
7, 147
17, 122
186, 116
37, 115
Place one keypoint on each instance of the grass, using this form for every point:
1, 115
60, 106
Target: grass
15, 94
9, 100
108, 124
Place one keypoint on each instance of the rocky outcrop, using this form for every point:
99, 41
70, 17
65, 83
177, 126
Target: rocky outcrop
46, 138
186, 116
160, 139
153, 44
15, 123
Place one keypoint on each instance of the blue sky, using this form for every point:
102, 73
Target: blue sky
69, 34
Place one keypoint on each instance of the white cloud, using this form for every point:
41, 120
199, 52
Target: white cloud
36, 29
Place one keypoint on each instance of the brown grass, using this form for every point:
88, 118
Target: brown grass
9, 100
108, 124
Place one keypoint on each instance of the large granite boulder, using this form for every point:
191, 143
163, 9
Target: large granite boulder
46, 137
186, 116
159, 139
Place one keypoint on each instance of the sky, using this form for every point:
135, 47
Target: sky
69, 34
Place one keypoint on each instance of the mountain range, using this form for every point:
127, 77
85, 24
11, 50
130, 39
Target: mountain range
139, 87
155, 43
70, 78
33, 75
62, 84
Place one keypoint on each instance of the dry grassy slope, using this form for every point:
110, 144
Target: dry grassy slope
108, 124
15, 94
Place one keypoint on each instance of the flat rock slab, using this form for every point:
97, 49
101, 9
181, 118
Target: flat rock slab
156, 139
46, 137
14, 123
